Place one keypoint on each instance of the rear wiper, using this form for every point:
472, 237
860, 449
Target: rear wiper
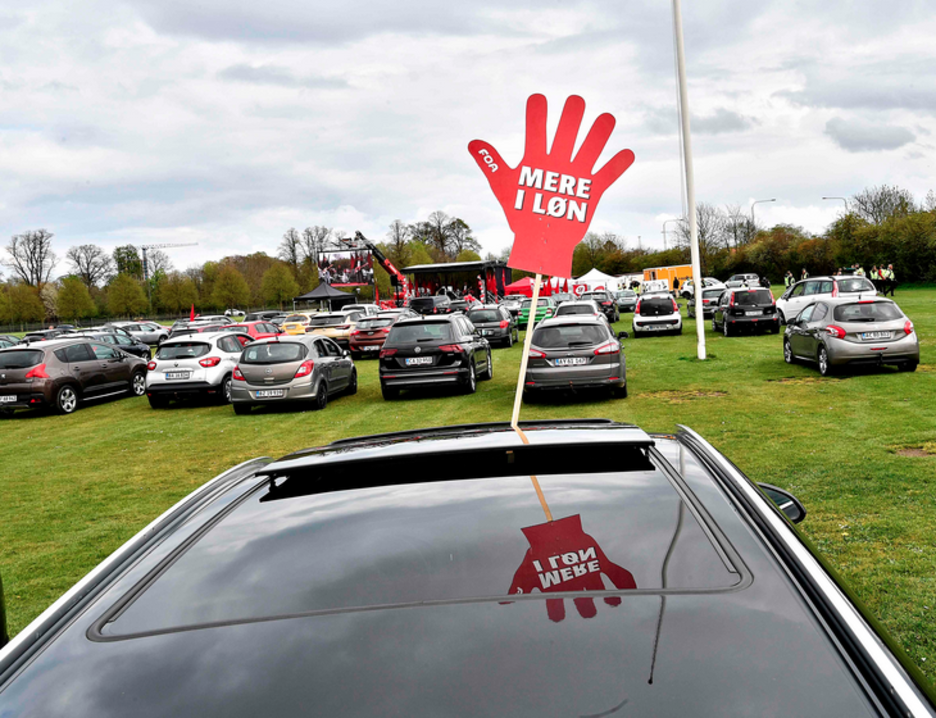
580, 344
428, 339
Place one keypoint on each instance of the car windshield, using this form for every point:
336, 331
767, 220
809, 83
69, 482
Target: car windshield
183, 350
375, 323
597, 296
564, 336
20, 358
479, 316
575, 309
273, 353
867, 312
758, 296
422, 332
853, 285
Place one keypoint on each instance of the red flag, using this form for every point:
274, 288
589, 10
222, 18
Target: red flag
191, 315
376, 295
566, 290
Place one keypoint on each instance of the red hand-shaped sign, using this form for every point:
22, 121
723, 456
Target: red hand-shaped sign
550, 198
562, 557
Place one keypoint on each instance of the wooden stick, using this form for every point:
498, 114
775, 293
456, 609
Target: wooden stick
518, 398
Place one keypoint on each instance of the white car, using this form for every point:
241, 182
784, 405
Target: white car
194, 365
803, 293
686, 291
369, 310
656, 313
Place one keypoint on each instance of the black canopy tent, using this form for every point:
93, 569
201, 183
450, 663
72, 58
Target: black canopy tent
433, 277
327, 293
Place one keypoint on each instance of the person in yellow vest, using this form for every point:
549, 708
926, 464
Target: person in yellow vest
889, 281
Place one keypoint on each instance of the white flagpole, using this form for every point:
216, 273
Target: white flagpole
518, 398
690, 181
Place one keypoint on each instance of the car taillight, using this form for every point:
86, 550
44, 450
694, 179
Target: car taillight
731, 303
37, 372
908, 328
606, 304
151, 366
835, 331
452, 348
385, 330
210, 361
387, 353
607, 348
504, 324
237, 374
305, 368
537, 354
356, 332
343, 326
637, 308
675, 306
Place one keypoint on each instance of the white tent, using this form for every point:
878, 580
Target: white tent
595, 279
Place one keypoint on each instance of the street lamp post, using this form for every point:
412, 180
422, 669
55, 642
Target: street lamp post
753, 224
841, 198
666, 222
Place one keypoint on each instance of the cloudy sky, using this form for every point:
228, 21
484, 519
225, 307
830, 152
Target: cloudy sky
225, 122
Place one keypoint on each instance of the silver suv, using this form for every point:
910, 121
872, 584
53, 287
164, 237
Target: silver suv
298, 369
805, 292
194, 365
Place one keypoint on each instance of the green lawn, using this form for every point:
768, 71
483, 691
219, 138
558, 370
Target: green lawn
72, 489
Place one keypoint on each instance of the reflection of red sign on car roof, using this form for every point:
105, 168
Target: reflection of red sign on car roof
562, 557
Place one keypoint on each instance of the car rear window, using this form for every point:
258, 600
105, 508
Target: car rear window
867, 312
273, 353
711, 293
655, 306
853, 285
575, 309
326, 540
183, 350
567, 336
422, 332
301, 318
375, 323
328, 320
758, 296
484, 315
427, 302
597, 296
20, 358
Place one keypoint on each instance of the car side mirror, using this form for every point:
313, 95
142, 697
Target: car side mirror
785, 501
345, 353
622, 335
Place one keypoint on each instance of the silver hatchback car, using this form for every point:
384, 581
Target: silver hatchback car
306, 369
837, 331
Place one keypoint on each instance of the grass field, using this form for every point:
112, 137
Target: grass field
859, 451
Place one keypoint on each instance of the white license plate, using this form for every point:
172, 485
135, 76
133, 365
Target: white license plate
753, 314
7, 398
371, 348
414, 361
570, 361
486, 332
876, 335
270, 393
175, 375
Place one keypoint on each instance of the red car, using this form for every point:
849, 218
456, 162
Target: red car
257, 330
371, 332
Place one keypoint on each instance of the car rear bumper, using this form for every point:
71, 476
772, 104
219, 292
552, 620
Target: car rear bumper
24, 399
243, 393
663, 324
768, 321
182, 388
902, 351
571, 382
451, 375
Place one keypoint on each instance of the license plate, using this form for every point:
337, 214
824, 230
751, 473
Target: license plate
171, 375
7, 398
876, 335
486, 332
753, 314
269, 393
371, 348
570, 361
414, 361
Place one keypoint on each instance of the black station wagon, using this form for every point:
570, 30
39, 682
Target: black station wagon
422, 574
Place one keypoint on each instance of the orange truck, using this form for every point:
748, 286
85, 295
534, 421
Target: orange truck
680, 271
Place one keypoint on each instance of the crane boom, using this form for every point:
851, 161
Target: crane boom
146, 247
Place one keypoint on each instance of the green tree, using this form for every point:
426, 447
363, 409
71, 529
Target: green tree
230, 289
176, 292
74, 301
6, 309
128, 261
468, 255
125, 296
25, 304
279, 285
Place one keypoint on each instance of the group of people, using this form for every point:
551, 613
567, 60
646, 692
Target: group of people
881, 277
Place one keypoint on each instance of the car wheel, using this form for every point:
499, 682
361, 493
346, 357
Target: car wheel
908, 366
225, 397
782, 317
510, 339
240, 408
679, 331
489, 371
352, 384
825, 368
714, 325
530, 396
158, 402
138, 384
619, 392
471, 383
725, 330
775, 329
788, 352
66, 401
389, 392
321, 396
